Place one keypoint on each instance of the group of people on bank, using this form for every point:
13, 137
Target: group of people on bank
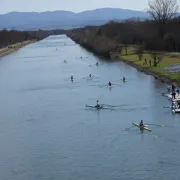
174, 90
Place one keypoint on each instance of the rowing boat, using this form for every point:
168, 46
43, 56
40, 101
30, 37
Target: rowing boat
97, 107
141, 127
176, 110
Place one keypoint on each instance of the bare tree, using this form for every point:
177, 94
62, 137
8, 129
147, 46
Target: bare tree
140, 52
157, 58
7, 38
162, 11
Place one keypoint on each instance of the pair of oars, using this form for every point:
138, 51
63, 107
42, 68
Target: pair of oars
145, 125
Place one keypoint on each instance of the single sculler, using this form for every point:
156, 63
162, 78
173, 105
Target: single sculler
99, 106
142, 126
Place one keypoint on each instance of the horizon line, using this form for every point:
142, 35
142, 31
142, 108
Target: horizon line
70, 10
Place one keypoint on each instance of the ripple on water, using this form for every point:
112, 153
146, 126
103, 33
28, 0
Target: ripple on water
45, 134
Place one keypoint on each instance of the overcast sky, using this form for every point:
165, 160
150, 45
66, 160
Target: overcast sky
70, 5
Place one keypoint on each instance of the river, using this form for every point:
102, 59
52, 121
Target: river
46, 133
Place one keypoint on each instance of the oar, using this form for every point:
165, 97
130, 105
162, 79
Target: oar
166, 106
107, 85
110, 109
110, 105
103, 85
115, 139
85, 77
67, 78
128, 128
117, 85
95, 85
156, 125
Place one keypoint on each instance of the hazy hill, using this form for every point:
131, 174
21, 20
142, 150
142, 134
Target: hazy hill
65, 19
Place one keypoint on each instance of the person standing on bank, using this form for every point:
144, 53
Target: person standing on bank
150, 62
173, 86
177, 91
173, 94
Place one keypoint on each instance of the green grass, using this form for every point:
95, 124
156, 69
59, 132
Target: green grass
159, 70
130, 50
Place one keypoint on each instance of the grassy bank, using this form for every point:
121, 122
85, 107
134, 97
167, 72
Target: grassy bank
113, 38
158, 72
14, 47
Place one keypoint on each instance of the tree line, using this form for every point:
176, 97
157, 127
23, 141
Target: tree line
14, 36
160, 33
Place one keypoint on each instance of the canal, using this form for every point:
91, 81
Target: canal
47, 133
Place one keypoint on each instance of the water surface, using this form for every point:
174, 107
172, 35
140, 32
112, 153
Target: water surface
47, 133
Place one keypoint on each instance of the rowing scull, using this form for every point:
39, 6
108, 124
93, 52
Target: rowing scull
99, 107
141, 127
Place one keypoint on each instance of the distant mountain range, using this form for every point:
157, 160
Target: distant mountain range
65, 19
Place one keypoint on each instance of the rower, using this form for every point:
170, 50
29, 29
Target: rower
141, 123
97, 104
109, 84
173, 94
90, 76
72, 78
124, 79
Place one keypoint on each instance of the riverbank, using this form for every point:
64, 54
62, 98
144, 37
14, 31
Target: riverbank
14, 47
89, 39
104, 48
111, 40
159, 72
